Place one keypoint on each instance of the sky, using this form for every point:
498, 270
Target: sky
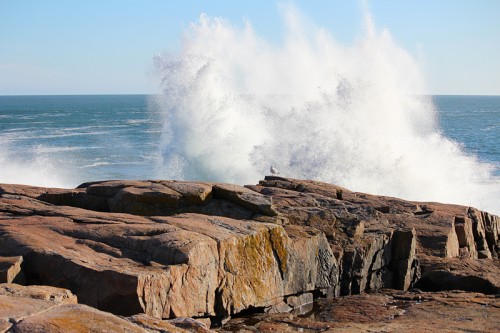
107, 46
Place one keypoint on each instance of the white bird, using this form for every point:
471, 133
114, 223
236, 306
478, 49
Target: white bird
274, 171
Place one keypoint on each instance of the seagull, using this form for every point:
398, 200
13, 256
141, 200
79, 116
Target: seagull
274, 171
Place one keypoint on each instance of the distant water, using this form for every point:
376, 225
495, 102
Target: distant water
474, 122
67, 140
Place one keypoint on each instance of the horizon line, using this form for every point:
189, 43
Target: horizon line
153, 94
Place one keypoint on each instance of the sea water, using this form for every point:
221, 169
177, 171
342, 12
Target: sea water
473, 122
66, 140
233, 104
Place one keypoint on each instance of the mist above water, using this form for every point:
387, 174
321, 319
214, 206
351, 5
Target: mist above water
235, 104
33, 168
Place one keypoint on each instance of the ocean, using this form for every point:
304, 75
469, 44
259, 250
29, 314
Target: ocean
66, 140
231, 104
474, 122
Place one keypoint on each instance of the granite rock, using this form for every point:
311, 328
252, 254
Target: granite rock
158, 250
140, 257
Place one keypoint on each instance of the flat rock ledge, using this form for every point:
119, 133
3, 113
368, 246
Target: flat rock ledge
153, 254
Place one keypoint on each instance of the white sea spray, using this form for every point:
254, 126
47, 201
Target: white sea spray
353, 115
31, 168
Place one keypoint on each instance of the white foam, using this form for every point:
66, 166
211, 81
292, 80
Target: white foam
32, 169
348, 114
96, 164
137, 121
52, 150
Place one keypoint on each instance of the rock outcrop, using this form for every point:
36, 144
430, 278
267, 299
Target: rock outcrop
385, 311
157, 261
28, 309
384, 242
10, 269
175, 249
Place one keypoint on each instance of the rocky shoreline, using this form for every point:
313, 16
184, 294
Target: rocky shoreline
174, 256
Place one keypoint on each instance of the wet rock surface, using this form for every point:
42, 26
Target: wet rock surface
152, 251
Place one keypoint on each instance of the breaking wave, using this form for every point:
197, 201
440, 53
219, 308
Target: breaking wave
353, 115
33, 167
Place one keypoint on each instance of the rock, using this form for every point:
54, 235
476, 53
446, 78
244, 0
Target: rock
403, 244
220, 207
20, 302
246, 198
387, 311
192, 193
379, 241
151, 324
182, 265
177, 325
307, 261
301, 304
403, 259
300, 300
109, 189
486, 230
281, 307
158, 250
465, 235
4, 325
362, 262
26, 190
460, 274
191, 325
150, 199
10, 269
75, 318
50, 309
45, 293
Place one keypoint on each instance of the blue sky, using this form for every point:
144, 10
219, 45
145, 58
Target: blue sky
107, 46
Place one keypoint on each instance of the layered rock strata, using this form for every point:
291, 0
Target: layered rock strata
172, 249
